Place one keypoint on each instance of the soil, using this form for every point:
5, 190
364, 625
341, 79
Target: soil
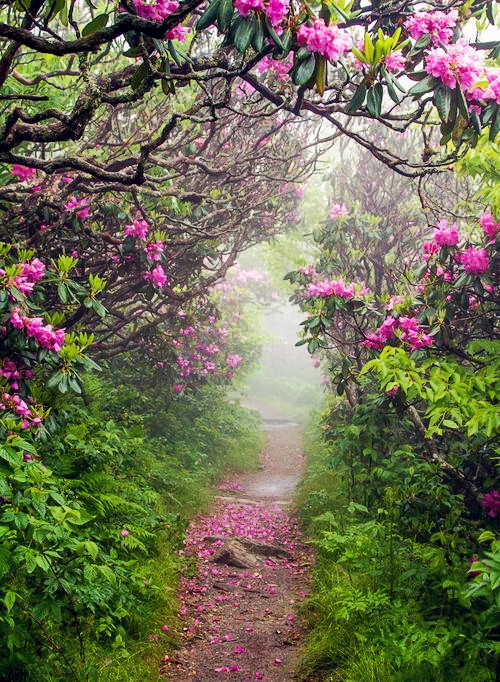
242, 623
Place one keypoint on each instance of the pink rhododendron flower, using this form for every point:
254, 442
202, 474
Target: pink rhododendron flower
81, 207
23, 173
246, 6
475, 261
233, 360
124, 533
439, 25
483, 92
330, 41
156, 10
177, 33
446, 234
238, 649
157, 277
277, 661
280, 67
165, 628
138, 228
338, 211
44, 334
457, 63
491, 502
395, 62
474, 558
154, 251
328, 288
489, 225
430, 249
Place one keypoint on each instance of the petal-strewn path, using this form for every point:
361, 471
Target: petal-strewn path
241, 623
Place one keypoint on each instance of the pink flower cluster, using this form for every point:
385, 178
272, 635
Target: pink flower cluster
156, 10
81, 207
474, 261
137, 228
489, 225
27, 278
490, 91
334, 287
457, 63
154, 251
330, 41
23, 173
157, 276
410, 331
330, 287
439, 25
10, 401
395, 62
202, 352
446, 234
279, 67
276, 10
44, 334
491, 502
338, 211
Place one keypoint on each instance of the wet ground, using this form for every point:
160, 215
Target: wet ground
242, 624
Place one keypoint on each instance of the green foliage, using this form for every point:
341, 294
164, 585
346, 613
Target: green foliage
392, 598
91, 522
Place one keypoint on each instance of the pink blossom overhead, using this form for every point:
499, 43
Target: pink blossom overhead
446, 234
439, 25
244, 7
457, 63
475, 261
23, 173
330, 41
137, 228
156, 10
338, 211
395, 62
491, 502
329, 287
490, 226
157, 277
44, 334
279, 67
154, 251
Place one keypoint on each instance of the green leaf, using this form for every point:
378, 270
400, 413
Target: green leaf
303, 72
462, 103
425, 85
139, 76
374, 100
12, 456
357, 99
442, 100
97, 24
209, 15
244, 33
9, 600
225, 14
422, 42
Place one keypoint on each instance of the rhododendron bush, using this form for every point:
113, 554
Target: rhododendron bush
403, 317
335, 60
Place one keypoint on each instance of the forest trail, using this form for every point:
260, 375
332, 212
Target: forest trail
240, 623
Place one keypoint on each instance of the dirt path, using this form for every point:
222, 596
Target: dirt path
241, 623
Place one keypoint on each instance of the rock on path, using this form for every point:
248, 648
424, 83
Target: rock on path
241, 623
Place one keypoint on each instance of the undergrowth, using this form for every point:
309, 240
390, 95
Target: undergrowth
391, 602
93, 525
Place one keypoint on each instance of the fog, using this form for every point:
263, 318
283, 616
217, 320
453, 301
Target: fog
286, 384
